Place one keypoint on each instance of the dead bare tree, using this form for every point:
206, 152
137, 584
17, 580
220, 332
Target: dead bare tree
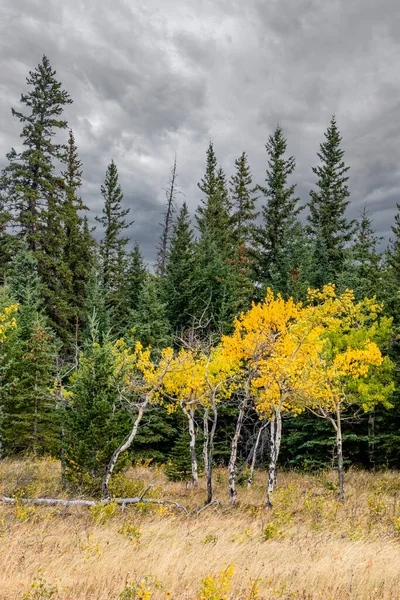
170, 193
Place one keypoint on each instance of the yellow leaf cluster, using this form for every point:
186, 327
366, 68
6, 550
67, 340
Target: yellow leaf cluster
7, 320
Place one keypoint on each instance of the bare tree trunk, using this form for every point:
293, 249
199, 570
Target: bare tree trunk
371, 439
211, 454
205, 440
126, 444
192, 446
275, 440
233, 456
254, 457
168, 222
63, 463
339, 448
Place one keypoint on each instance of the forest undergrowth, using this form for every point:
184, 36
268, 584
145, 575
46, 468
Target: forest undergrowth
308, 546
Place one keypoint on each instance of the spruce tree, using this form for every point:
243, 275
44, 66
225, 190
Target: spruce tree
136, 275
96, 306
149, 319
214, 297
79, 244
243, 202
113, 245
29, 179
279, 212
328, 226
213, 214
33, 188
362, 271
94, 420
177, 287
30, 421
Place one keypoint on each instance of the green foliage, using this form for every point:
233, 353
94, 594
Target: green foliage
273, 256
113, 253
150, 319
177, 286
94, 421
328, 226
178, 467
40, 589
243, 202
34, 190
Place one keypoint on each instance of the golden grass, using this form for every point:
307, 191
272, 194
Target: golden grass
307, 547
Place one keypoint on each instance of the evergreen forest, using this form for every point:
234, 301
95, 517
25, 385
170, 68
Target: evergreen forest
265, 335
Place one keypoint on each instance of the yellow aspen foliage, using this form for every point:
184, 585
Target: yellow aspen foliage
7, 320
194, 375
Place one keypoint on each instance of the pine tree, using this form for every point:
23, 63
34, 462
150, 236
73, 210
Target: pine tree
362, 270
213, 214
214, 300
170, 192
279, 214
113, 245
94, 420
150, 319
79, 244
243, 202
96, 306
34, 190
30, 422
177, 287
216, 296
328, 225
29, 179
136, 275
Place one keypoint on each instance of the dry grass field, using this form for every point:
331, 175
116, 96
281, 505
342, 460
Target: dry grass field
307, 547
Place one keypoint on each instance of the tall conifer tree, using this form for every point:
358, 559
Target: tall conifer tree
177, 288
243, 202
280, 209
328, 224
79, 244
113, 245
34, 190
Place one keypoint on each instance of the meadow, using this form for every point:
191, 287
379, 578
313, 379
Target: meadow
308, 546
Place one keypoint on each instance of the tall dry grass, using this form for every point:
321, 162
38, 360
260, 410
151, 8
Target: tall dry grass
307, 547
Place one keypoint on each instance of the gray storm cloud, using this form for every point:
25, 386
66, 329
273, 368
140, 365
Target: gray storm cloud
155, 78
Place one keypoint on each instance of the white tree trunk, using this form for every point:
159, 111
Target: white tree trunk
210, 457
205, 440
189, 412
275, 437
126, 444
254, 457
233, 456
339, 447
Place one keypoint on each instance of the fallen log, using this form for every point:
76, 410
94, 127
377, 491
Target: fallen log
62, 502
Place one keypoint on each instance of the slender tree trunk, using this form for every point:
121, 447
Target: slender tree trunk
371, 439
339, 448
254, 457
62, 457
233, 456
211, 454
275, 440
192, 446
35, 422
168, 222
205, 440
126, 444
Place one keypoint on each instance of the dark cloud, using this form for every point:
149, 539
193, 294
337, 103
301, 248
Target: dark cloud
153, 78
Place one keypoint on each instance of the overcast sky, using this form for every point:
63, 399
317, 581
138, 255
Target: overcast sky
153, 78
